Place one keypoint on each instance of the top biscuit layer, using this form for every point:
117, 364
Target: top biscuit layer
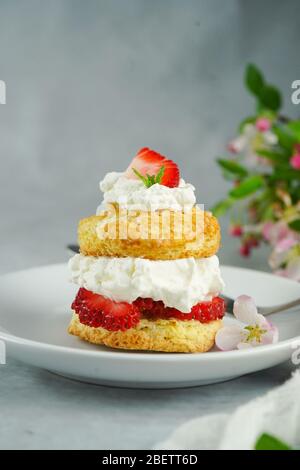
159, 235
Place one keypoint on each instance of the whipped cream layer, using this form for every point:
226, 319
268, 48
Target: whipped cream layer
180, 283
134, 195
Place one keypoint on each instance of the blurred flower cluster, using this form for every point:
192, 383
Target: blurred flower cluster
264, 173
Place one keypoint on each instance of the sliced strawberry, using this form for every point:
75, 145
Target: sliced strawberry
149, 162
204, 312
209, 311
98, 311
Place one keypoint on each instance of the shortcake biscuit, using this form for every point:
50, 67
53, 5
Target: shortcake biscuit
144, 235
153, 335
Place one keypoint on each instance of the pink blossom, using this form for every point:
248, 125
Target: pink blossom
274, 232
245, 250
292, 270
277, 259
285, 244
266, 230
246, 142
253, 242
237, 145
295, 161
236, 230
263, 124
258, 331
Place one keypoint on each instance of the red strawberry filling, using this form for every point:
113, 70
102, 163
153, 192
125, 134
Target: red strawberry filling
98, 311
95, 310
204, 312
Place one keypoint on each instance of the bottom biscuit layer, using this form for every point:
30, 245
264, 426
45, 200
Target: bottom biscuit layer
149, 335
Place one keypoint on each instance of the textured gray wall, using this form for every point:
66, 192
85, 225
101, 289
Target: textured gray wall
89, 82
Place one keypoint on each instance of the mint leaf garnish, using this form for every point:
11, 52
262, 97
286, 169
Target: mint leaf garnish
150, 180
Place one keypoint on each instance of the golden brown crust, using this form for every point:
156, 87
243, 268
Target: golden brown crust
156, 238
149, 335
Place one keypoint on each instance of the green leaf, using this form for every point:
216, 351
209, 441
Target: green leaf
270, 97
254, 79
294, 127
283, 173
248, 186
269, 442
221, 207
267, 213
228, 176
295, 225
140, 176
276, 157
160, 174
286, 139
150, 180
233, 167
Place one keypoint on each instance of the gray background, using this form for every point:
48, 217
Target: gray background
89, 83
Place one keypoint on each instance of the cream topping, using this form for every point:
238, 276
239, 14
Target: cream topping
180, 283
134, 195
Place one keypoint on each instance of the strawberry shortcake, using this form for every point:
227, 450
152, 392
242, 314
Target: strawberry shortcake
148, 274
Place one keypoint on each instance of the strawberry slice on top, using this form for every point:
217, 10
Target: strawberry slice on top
151, 168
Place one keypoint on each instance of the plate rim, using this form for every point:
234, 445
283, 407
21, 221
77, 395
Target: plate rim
145, 355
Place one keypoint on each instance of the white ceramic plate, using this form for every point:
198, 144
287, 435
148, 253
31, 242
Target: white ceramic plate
35, 311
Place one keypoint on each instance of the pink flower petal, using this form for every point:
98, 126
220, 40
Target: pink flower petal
295, 161
266, 230
271, 336
262, 321
274, 232
285, 244
228, 337
251, 157
245, 310
231, 147
293, 269
243, 345
277, 259
238, 144
281, 272
270, 138
263, 124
